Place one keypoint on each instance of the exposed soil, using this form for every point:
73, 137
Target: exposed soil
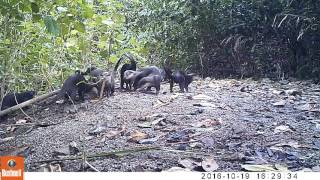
235, 122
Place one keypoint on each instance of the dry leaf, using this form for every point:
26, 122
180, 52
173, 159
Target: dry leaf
112, 134
137, 136
207, 123
159, 103
177, 169
145, 125
209, 164
281, 167
157, 121
173, 97
258, 168
282, 128
281, 103
189, 164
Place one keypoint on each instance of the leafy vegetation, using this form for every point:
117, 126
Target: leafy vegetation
44, 41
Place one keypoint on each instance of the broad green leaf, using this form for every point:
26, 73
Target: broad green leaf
51, 25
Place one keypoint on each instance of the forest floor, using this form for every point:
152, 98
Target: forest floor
222, 125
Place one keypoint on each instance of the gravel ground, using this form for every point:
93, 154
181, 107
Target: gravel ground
234, 122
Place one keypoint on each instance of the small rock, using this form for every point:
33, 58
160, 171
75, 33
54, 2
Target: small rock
149, 141
281, 103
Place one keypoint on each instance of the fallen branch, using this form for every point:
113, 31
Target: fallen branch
104, 154
27, 103
29, 124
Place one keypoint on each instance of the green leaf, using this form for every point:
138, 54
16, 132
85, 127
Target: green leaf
64, 29
36, 17
87, 12
34, 7
113, 58
104, 53
51, 25
80, 27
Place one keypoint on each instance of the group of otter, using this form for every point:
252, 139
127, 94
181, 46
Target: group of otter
102, 82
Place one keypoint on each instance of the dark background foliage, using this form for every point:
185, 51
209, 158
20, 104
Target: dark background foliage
44, 41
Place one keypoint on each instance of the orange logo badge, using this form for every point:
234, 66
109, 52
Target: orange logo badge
12, 168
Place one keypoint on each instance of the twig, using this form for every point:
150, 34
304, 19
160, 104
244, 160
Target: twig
92, 167
15, 97
187, 152
184, 142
